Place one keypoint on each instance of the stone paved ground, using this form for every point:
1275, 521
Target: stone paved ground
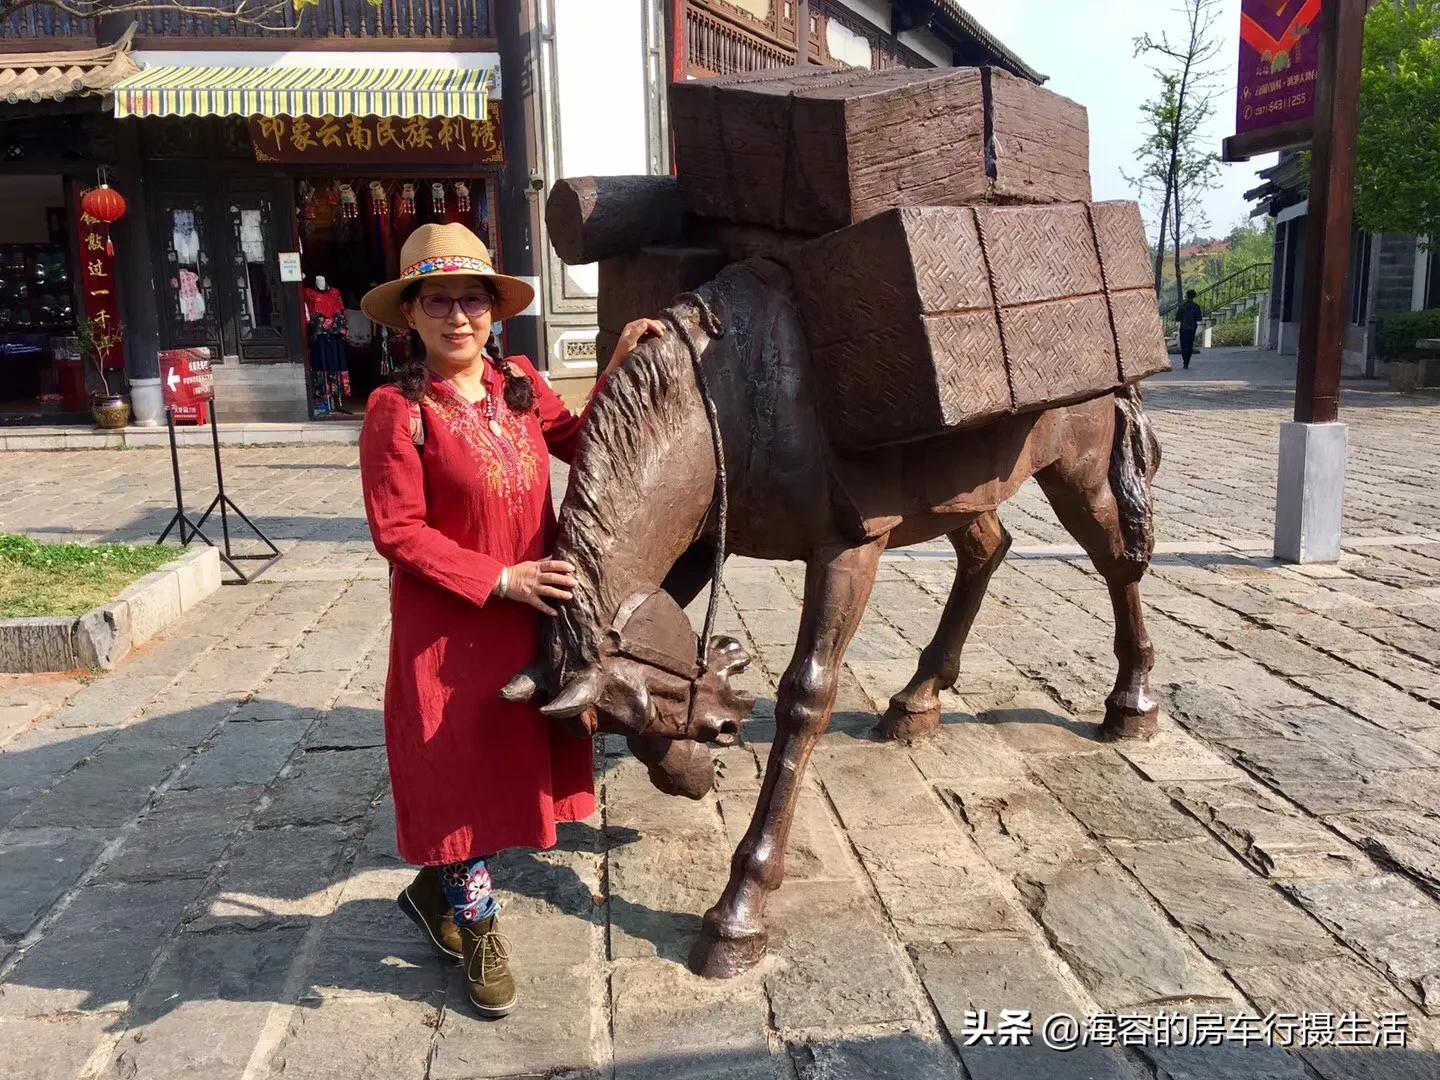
197, 863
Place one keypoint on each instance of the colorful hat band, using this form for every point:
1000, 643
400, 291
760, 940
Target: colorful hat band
448, 264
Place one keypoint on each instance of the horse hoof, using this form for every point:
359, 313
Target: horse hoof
715, 957
902, 725
1130, 725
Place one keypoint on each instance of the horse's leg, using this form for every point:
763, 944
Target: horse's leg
980, 548
837, 585
1115, 527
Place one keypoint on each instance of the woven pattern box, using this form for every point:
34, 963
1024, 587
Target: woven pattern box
812, 152
928, 319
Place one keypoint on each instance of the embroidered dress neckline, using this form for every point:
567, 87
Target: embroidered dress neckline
448, 386
496, 436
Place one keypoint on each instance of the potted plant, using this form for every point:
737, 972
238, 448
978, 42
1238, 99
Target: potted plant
95, 339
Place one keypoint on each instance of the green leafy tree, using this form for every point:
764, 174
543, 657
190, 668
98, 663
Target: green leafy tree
1397, 177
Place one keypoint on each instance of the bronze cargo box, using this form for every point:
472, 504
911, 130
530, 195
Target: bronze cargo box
812, 152
927, 319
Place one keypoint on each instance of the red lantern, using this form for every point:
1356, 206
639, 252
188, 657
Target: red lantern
104, 204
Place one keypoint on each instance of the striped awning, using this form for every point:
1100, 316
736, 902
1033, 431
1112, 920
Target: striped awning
304, 91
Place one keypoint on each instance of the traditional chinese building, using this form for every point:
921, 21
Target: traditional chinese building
272, 174
602, 68
273, 171
1389, 272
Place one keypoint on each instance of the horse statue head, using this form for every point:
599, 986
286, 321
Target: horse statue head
622, 657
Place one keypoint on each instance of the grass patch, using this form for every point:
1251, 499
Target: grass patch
69, 579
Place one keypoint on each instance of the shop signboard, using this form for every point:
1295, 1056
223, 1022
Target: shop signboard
97, 282
188, 383
378, 140
290, 270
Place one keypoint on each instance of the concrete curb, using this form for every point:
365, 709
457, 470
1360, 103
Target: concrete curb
101, 638
258, 434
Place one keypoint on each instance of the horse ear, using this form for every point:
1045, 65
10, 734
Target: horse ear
522, 687
575, 696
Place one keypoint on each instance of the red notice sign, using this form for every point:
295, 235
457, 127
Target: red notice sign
1279, 45
188, 383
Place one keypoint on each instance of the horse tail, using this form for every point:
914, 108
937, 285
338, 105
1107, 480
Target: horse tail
1134, 459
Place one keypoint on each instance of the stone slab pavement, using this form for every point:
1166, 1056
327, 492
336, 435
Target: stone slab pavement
197, 861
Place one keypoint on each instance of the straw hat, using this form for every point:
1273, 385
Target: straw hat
444, 251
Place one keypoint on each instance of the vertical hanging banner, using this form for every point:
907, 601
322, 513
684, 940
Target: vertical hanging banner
1275, 92
97, 280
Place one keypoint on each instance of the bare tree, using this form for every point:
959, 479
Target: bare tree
1174, 161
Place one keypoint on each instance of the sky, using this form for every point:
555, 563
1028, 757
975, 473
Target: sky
1087, 49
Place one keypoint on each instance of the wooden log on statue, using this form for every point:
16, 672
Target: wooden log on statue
928, 319
643, 282
812, 152
590, 218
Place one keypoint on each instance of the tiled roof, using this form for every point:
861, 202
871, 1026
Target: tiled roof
54, 76
966, 23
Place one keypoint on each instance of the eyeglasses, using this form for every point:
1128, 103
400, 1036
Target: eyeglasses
439, 306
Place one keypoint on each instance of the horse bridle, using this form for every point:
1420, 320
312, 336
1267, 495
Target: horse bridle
713, 327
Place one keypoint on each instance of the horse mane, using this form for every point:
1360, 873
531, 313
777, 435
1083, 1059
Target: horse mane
631, 422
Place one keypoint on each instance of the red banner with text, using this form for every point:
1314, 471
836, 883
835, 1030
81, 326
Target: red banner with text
97, 282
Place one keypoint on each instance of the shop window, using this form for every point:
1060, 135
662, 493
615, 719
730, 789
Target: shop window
188, 287
352, 227
254, 284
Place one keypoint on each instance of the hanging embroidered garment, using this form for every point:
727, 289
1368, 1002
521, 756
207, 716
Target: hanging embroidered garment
185, 239
192, 301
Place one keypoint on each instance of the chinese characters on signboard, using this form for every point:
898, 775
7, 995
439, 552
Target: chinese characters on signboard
97, 280
442, 140
1278, 52
188, 383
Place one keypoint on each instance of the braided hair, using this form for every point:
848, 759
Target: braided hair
413, 379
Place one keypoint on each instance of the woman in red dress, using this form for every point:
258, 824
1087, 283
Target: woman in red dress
455, 465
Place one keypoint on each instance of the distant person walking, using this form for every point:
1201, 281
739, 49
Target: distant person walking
1189, 316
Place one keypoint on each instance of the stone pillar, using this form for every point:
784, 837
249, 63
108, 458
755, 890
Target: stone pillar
1310, 498
520, 198
134, 261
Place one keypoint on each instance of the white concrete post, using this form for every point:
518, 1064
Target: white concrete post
1310, 496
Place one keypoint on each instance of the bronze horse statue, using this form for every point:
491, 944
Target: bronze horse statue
640, 511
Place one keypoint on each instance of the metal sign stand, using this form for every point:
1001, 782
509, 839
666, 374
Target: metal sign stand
223, 502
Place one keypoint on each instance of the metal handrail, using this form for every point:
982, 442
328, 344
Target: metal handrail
1243, 282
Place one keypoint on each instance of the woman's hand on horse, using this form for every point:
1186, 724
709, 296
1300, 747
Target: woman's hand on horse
633, 334
535, 583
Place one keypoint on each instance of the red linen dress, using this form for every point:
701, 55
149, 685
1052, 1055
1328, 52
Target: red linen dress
472, 774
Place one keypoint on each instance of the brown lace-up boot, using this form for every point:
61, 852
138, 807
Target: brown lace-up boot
487, 969
424, 901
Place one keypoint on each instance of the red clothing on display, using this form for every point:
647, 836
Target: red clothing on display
472, 774
327, 305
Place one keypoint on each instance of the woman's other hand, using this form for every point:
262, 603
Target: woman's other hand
633, 334
535, 583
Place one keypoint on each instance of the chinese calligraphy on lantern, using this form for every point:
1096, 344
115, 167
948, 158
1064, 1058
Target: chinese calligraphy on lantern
441, 140
97, 280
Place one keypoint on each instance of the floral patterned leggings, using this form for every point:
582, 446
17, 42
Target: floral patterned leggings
468, 890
